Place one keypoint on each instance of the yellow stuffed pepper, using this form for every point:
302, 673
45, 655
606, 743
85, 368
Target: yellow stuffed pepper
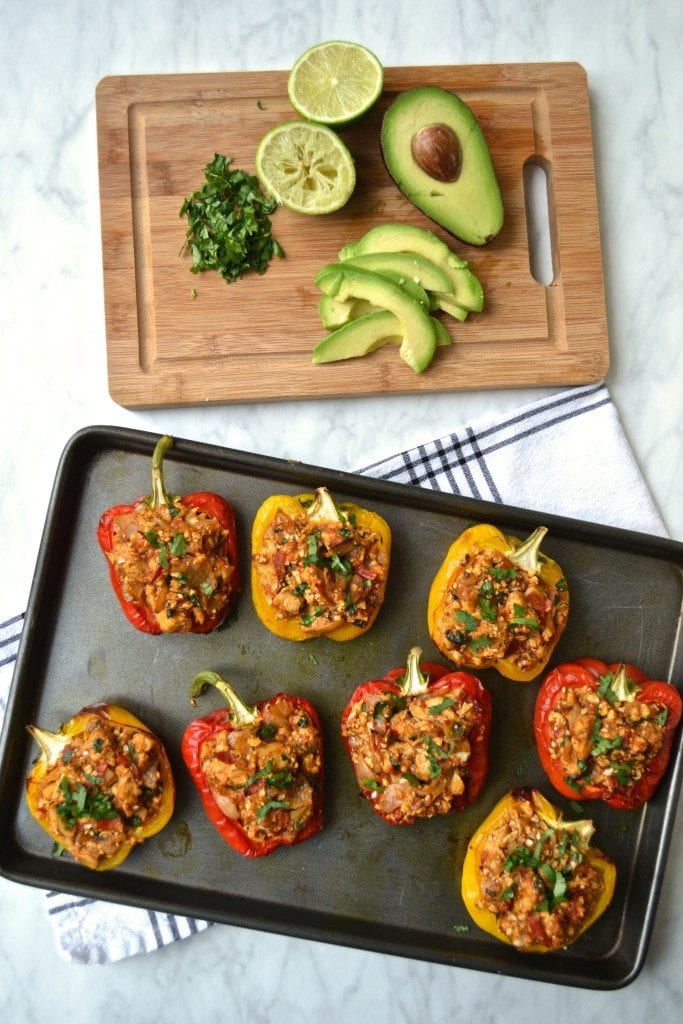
101, 785
531, 879
497, 602
318, 568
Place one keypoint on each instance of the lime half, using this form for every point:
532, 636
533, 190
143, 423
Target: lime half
305, 167
334, 83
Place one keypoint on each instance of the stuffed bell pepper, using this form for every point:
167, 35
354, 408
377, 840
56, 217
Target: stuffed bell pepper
172, 560
532, 879
418, 740
497, 602
604, 732
258, 770
318, 567
101, 785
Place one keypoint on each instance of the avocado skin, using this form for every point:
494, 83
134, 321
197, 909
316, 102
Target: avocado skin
470, 207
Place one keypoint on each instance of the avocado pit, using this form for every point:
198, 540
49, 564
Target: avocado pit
436, 150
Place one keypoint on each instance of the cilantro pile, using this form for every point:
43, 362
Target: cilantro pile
229, 228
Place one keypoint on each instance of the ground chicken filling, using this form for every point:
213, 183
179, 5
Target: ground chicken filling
536, 879
323, 574
173, 560
267, 779
495, 610
106, 783
411, 754
602, 741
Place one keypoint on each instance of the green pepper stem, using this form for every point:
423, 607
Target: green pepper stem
51, 743
583, 828
527, 555
413, 681
623, 688
324, 508
242, 714
160, 495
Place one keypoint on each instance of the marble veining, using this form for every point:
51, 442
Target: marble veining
54, 383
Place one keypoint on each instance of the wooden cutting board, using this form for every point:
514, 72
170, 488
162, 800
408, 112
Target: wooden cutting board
252, 340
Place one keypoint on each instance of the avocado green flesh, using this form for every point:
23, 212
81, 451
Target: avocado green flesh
366, 334
334, 314
358, 337
470, 207
409, 265
417, 329
406, 238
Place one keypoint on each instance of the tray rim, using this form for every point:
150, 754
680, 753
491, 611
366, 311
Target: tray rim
258, 914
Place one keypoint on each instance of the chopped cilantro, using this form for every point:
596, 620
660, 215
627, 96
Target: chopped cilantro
520, 618
436, 709
178, 546
467, 621
271, 805
81, 802
229, 227
266, 731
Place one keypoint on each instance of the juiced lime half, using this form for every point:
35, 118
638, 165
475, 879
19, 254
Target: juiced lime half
305, 167
335, 82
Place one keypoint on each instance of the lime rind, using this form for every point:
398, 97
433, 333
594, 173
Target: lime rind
335, 83
305, 167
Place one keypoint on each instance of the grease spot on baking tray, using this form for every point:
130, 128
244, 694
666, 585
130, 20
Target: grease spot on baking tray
97, 664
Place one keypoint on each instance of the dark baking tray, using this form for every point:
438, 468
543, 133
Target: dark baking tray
360, 882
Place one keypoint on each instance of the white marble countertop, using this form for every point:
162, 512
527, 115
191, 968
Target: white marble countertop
54, 382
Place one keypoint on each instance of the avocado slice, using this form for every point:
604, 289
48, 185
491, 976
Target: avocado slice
359, 337
334, 313
407, 265
365, 334
417, 327
466, 289
435, 151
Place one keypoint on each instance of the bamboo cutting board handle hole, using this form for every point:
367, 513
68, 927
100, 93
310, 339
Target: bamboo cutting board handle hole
537, 207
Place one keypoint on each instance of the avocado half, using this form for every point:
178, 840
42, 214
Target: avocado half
436, 153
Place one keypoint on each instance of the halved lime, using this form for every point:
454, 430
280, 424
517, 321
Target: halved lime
305, 167
335, 83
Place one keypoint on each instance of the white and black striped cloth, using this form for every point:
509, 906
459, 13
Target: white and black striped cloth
565, 454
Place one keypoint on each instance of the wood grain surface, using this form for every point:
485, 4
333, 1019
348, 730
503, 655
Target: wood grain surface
252, 340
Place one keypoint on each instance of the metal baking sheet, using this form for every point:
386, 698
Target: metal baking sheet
360, 882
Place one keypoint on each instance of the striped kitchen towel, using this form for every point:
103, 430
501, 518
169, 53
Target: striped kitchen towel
565, 454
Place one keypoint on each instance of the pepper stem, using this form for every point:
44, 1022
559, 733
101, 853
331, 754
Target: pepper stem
242, 714
527, 555
623, 688
324, 508
160, 495
583, 828
51, 743
414, 680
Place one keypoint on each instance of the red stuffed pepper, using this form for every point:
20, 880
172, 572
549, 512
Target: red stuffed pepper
604, 732
172, 560
418, 740
258, 770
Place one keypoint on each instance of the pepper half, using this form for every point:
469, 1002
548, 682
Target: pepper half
418, 740
531, 879
258, 770
101, 785
604, 732
318, 567
172, 560
497, 602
